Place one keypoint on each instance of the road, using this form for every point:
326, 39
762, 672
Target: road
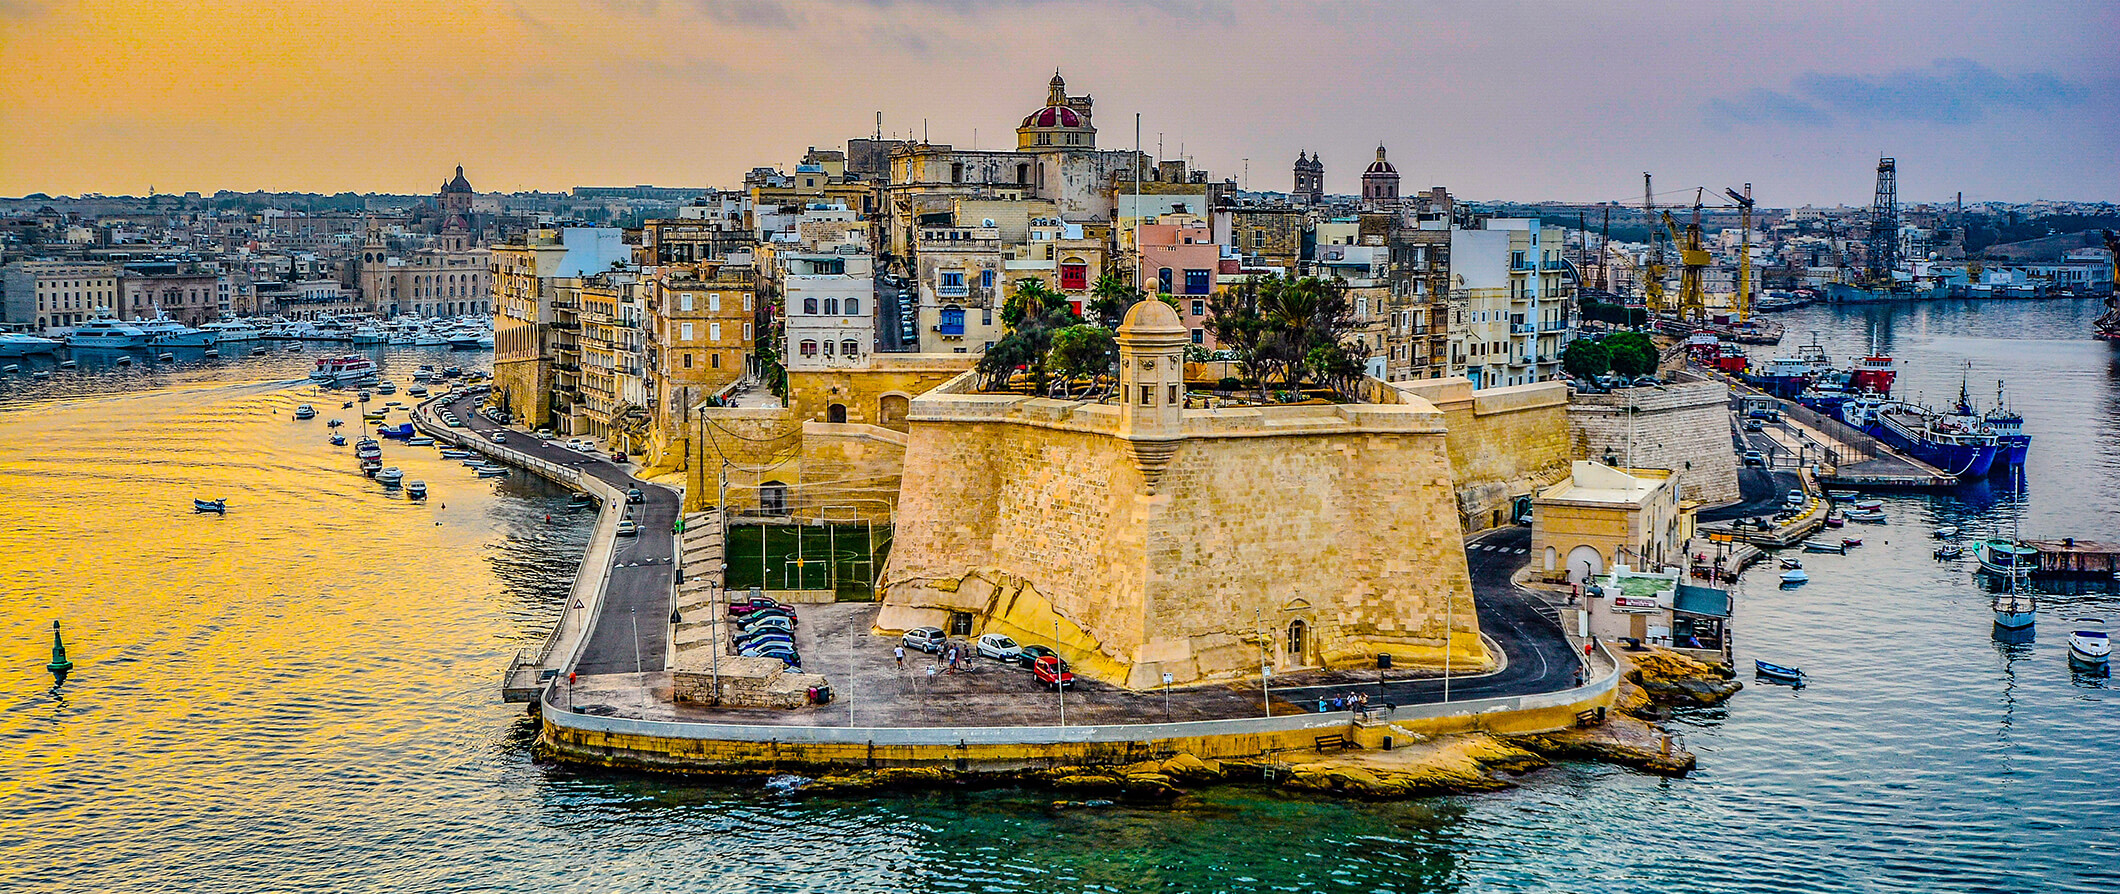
632, 632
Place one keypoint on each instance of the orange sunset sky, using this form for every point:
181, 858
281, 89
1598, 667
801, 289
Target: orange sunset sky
1496, 100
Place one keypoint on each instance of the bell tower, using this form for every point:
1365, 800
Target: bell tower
1152, 343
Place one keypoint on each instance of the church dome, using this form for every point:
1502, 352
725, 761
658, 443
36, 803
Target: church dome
1053, 116
459, 184
1380, 166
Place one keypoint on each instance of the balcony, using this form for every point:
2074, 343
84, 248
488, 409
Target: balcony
1554, 266
1553, 326
1514, 267
1521, 328
949, 291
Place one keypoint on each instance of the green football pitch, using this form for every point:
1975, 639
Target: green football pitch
843, 558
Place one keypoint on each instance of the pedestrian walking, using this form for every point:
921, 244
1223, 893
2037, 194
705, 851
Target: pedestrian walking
899, 653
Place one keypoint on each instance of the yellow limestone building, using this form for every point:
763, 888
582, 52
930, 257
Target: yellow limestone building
1141, 537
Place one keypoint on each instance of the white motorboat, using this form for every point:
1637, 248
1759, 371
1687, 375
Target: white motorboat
368, 334
386, 387
416, 489
106, 332
1946, 532
1866, 516
15, 344
490, 471
350, 368
305, 411
163, 332
428, 338
1795, 576
390, 477
232, 330
2090, 647
367, 448
419, 441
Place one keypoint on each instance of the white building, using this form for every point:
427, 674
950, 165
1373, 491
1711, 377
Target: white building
831, 308
1520, 300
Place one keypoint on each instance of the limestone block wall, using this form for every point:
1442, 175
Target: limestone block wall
744, 683
524, 387
855, 468
1022, 511
1684, 428
878, 393
1504, 442
761, 444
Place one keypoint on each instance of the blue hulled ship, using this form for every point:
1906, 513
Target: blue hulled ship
1960, 446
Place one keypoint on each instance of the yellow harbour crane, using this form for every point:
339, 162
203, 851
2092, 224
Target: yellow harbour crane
1653, 271
1693, 260
1744, 252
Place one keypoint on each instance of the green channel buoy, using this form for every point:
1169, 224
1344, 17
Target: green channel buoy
60, 663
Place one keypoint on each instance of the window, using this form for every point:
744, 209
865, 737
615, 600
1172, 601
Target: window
957, 172
831, 306
714, 331
684, 301
809, 305
986, 279
953, 321
1196, 282
1199, 307
828, 348
1173, 395
853, 307
849, 347
747, 330
809, 347
1163, 280
1074, 275
1258, 239
714, 360
1199, 336
953, 279
746, 301
684, 331
1148, 395
714, 301
688, 361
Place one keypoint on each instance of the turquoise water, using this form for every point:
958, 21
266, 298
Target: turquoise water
302, 695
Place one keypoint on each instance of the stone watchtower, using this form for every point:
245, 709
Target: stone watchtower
1152, 342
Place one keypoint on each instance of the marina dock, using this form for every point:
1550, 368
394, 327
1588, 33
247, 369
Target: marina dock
1843, 455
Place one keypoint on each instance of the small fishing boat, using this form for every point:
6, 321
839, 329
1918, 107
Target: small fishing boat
165, 356
1792, 562
490, 471
367, 448
1778, 672
2090, 648
346, 406
371, 466
124, 361
67, 364
338, 440
1850, 541
212, 354
417, 391
375, 415
1795, 576
362, 396
1947, 553
389, 477
220, 505
335, 423
1819, 546
1869, 504
2003, 558
10, 368
305, 411
41, 375
1945, 533
1867, 516
416, 489
457, 453
1835, 521
401, 431
1842, 495
386, 387
420, 441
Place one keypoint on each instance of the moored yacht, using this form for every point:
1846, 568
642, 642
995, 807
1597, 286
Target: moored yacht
163, 332
105, 331
2089, 648
230, 330
351, 368
15, 344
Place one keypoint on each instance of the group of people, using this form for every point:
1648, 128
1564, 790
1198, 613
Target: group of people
953, 658
1353, 701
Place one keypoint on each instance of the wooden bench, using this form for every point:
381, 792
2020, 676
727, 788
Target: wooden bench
1590, 718
1336, 740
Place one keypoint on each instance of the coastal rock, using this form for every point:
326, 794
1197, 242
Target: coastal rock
1150, 785
1671, 678
1187, 768
1622, 740
1082, 780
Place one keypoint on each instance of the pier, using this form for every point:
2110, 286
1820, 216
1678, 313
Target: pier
1842, 455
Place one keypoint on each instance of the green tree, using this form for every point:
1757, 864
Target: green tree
1081, 351
1110, 298
1585, 358
1032, 300
1631, 353
1282, 329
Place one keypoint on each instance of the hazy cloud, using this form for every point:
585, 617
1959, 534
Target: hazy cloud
1948, 91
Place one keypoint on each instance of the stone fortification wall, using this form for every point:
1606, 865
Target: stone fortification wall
742, 683
854, 469
760, 444
1023, 511
1504, 442
878, 393
1684, 428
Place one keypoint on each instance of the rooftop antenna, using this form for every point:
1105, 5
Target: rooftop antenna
879, 125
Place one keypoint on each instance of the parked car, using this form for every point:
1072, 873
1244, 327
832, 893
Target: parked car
1755, 458
926, 639
500, 437
634, 496
751, 640
543, 434
998, 647
762, 605
761, 621
1755, 425
1796, 497
1051, 673
581, 445
1029, 655
628, 528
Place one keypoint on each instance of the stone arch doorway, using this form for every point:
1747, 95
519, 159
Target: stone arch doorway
836, 413
1584, 562
1298, 643
891, 410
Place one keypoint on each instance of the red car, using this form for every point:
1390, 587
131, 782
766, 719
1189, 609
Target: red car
1052, 673
761, 604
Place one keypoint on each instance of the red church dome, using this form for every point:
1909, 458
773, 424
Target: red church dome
1053, 116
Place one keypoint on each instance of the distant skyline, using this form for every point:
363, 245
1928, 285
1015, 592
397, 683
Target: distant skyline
1500, 101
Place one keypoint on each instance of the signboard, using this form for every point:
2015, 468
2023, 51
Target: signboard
1167, 679
1721, 536
1632, 605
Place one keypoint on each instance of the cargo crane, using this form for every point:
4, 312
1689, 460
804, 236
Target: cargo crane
2107, 326
1693, 260
1744, 252
1653, 271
